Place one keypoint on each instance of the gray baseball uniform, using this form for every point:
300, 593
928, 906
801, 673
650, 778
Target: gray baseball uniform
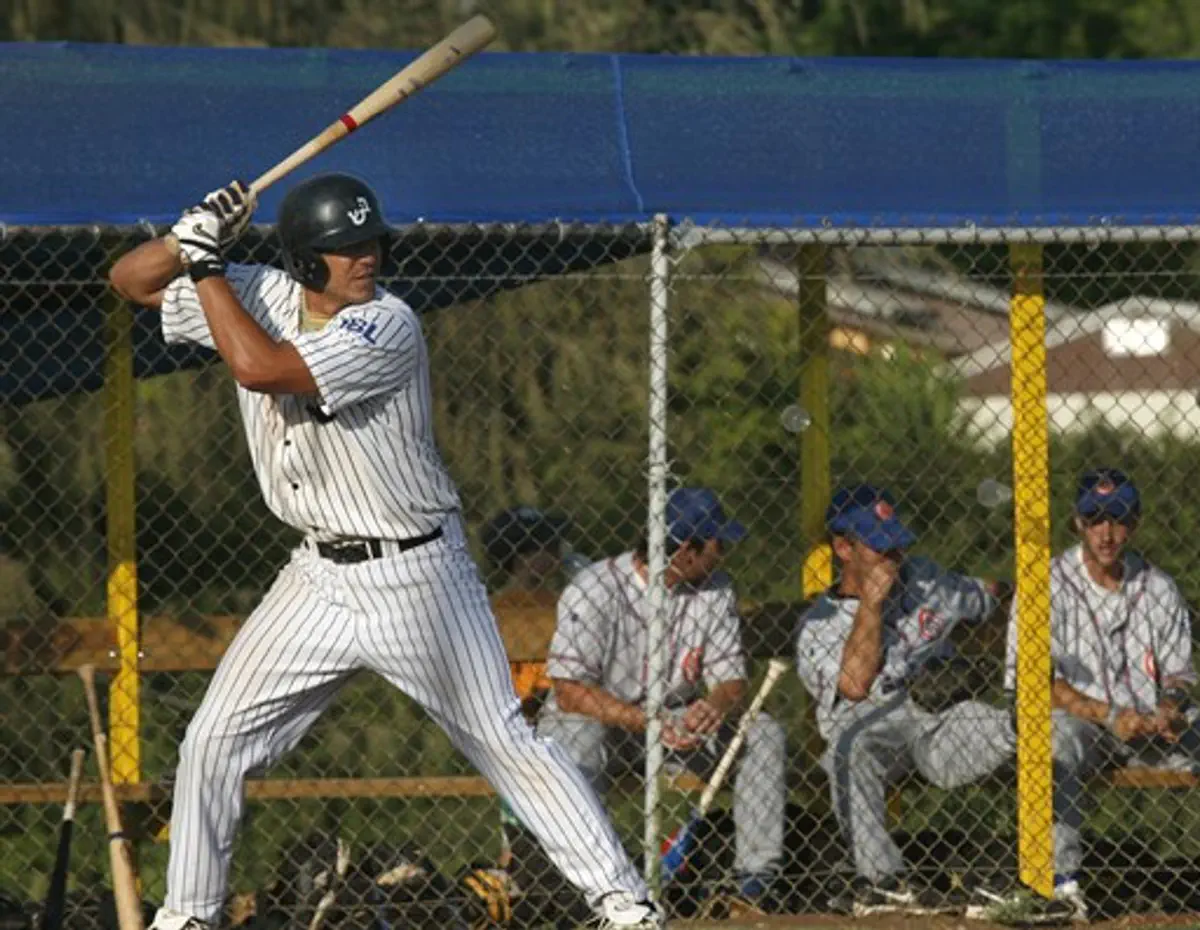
873, 742
603, 620
1113, 646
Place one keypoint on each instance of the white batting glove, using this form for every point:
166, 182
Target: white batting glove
199, 235
234, 206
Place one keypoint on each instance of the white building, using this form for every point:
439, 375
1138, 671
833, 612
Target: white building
1132, 365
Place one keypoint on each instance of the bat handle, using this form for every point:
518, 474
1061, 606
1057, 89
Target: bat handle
73, 784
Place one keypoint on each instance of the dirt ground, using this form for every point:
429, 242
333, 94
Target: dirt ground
826, 922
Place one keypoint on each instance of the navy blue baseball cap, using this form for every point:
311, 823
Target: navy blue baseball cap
695, 513
1107, 492
849, 498
876, 525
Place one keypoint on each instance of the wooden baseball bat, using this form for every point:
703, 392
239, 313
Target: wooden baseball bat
56, 894
120, 856
336, 877
466, 40
679, 845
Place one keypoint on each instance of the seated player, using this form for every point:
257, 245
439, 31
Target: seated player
860, 648
1121, 651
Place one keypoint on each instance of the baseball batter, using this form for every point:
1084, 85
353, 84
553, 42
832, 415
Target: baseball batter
333, 386
858, 649
1121, 650
598, 665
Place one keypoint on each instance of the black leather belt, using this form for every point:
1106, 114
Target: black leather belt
349, 551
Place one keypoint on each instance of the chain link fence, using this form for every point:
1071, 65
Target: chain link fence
794, 363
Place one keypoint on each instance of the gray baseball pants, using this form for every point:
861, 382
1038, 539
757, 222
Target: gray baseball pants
879, 740
759, 792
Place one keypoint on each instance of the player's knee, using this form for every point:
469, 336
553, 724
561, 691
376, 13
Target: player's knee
1069, 743
206, 747
766, 736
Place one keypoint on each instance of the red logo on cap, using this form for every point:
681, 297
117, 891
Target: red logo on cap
1104, 486
883, 510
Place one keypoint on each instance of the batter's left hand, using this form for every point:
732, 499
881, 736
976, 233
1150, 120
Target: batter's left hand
234, 206
702, 718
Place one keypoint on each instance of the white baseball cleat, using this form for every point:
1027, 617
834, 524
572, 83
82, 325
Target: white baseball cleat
166, 919
619, 910
1070, 892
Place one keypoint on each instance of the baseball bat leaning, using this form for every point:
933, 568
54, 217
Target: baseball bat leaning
335, 880
469, 38
120, 857
679, 845
56, 894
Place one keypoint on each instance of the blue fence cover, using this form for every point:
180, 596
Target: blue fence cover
97, 134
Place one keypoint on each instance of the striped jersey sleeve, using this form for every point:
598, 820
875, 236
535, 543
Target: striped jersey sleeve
365, 352
183, 319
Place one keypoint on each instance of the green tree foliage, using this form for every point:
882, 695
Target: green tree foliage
958, 28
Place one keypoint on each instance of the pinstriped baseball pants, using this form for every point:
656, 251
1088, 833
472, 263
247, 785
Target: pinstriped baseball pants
421, 619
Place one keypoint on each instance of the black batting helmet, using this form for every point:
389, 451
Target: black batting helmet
323, 214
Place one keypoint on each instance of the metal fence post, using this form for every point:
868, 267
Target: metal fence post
656, 542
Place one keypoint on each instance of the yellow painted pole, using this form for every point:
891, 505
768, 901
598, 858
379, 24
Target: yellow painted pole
1031, 498
123, 706
817, 571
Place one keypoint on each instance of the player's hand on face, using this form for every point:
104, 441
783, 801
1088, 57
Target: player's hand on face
879, 580
234, 206
702, 718
199, 235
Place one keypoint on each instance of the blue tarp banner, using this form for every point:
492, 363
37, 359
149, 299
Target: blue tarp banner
95, 134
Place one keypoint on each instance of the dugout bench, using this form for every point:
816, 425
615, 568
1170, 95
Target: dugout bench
171, 644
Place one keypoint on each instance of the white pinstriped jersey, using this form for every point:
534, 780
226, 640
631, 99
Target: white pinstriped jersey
359, 459
925, 605
1113, 646
604, 621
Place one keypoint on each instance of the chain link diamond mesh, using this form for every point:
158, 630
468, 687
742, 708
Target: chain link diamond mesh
795, 365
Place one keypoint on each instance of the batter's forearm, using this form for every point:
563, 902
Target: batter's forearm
257, 361
1064, 697
862, 656
142, 275
575, 697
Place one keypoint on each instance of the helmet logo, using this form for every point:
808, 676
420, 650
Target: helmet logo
358, 214
883, 510
1105, 487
